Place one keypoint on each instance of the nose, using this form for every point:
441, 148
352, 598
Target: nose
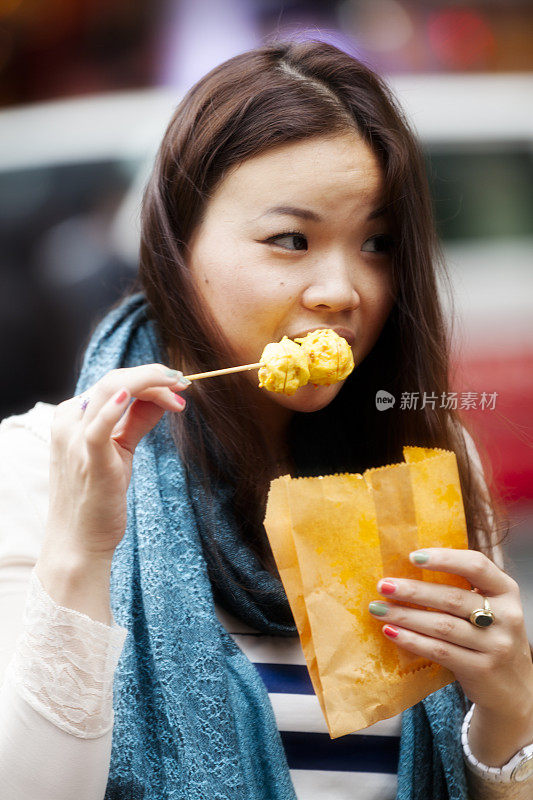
332, 288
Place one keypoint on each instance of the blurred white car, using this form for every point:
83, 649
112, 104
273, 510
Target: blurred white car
71, 179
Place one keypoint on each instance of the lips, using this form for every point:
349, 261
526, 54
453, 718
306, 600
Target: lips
346, 333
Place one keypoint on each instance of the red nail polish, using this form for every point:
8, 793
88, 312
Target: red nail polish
388, 630
180, 401
387, 587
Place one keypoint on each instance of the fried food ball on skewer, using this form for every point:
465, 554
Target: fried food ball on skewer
329, 356
283, 367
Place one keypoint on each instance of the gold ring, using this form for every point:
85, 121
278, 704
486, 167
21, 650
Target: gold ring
482, 617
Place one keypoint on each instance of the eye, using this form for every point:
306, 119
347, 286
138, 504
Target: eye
382, 243
296, 236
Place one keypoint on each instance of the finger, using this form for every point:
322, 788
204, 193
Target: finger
439, 626
479, 570
66, 417
451, 656
146, 378
451, 599
139, 419
98, 432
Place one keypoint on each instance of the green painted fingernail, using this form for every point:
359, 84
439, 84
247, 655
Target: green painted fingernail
375, 607
419, 557
172, 373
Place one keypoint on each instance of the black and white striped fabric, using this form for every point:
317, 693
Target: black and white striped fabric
361, 765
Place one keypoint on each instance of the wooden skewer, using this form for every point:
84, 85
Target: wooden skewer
226, 371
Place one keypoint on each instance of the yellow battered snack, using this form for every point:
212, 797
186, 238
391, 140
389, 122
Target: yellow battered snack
329, 356
283, 367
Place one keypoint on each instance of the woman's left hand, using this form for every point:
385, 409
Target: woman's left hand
492, 664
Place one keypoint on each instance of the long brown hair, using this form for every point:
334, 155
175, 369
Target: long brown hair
278, 93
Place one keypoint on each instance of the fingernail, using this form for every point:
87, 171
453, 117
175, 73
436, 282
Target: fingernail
180, 377
388, 630
180, 401
387, 587
418, 557
380, 609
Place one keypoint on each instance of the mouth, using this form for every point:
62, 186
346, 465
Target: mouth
345, 333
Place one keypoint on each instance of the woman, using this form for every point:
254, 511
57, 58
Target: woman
288, 194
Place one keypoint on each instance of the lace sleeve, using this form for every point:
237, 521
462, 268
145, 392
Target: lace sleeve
64, 664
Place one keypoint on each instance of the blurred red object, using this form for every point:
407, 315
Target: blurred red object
507, 430
461, 38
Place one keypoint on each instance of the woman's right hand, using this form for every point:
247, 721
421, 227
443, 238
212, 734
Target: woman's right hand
91, 457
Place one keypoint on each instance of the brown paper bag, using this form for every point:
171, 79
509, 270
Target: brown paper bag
333, 538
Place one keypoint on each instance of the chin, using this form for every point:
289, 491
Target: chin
309, 398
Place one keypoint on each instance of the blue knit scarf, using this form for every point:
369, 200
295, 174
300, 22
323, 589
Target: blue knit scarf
192, 717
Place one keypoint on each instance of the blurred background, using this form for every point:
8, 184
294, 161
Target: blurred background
86, 91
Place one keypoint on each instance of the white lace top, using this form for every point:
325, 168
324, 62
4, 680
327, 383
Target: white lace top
76, 691
57, 664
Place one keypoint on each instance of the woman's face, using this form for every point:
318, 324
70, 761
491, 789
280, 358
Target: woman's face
292, 240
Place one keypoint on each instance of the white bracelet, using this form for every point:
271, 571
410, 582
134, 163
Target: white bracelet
519, 768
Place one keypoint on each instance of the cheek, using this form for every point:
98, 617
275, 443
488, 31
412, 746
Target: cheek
226, 288
380, 297
246, 293
250, 304
377, 303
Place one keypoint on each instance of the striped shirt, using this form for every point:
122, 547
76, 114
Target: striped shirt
361, 765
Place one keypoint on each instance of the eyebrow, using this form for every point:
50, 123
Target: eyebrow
305, 213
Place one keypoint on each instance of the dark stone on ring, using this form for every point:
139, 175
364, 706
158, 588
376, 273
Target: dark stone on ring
482, 620
482, 617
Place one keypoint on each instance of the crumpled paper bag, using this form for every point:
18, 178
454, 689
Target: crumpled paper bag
333, 537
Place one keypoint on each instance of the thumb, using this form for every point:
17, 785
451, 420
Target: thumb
139, 419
